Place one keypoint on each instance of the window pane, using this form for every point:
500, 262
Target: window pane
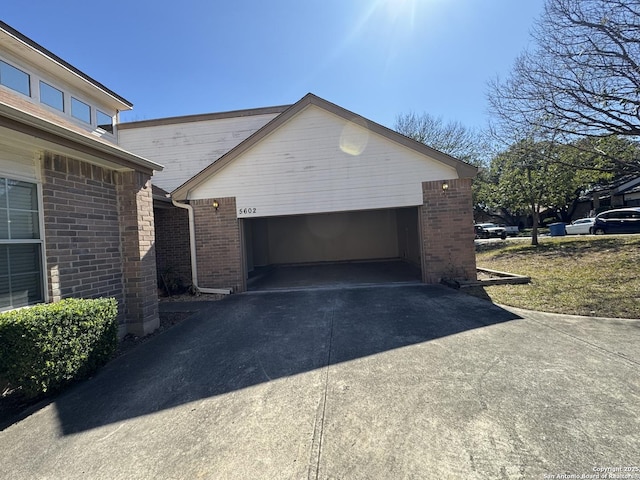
23, 225
4, 260
5, 298
13, 78
51, 96
24, 258
80, 110
4, 224
26, 289
105, 122
22, 195
20, 275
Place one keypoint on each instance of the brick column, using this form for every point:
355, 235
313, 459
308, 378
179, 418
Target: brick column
218, 245
447, 234
135, 203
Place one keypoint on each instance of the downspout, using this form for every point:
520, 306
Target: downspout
192, 251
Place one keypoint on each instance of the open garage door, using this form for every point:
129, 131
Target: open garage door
386, 240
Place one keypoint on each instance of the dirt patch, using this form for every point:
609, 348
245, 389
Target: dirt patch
187, 297
167, 320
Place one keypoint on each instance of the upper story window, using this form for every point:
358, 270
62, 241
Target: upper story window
104, 121
14, 78
80, 110
55, 97
51, 96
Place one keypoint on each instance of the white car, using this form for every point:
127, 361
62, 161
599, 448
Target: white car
583, 226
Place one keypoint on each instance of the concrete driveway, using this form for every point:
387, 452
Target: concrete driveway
376, 382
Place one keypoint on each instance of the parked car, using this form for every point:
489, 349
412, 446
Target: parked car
490, 230
512, 230
583, 226
621, 220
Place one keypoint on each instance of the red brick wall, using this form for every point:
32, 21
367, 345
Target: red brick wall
99, 238
218, 245
446, 221
172, 242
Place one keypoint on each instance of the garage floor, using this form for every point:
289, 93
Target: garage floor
333, 274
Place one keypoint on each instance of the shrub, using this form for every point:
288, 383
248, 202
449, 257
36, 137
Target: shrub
45, 347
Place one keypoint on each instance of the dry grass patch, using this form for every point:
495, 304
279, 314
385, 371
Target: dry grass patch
598, 276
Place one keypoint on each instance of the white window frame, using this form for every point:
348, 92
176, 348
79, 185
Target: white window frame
48, 84
100, 111
85, 104
40, 241
29, 79
35, 77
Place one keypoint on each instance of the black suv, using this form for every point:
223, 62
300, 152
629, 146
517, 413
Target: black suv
622, 220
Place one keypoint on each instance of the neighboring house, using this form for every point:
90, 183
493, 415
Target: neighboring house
310, 182
76, 216
622, 192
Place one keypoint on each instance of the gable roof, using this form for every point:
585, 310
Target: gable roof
209, 136
464, 170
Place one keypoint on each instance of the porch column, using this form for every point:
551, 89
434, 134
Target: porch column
446, 228
135, 203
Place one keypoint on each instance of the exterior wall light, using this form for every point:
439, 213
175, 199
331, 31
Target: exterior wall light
215, 204
445, 186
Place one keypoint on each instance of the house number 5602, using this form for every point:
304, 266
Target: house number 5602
244, 211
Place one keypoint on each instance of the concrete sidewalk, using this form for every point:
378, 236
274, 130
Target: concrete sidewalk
412, 382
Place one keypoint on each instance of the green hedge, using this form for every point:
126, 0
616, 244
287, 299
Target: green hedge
45, 347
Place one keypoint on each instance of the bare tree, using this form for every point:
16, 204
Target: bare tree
582, 78
452, 138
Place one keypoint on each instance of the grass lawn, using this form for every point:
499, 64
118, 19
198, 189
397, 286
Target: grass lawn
596, 276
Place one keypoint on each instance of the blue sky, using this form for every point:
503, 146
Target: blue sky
378, 58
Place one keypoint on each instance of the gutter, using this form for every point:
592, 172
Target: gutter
192, 251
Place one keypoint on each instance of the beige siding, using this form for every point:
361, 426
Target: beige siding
186, 148
318, 162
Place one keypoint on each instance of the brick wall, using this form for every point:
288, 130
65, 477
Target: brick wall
218, 244
172, 243
82, 232
446, 221
99, 238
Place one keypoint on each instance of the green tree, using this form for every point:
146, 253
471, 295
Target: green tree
531, 177
589, 162
521, 181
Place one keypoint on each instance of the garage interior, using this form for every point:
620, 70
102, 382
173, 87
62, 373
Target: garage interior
356, 247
